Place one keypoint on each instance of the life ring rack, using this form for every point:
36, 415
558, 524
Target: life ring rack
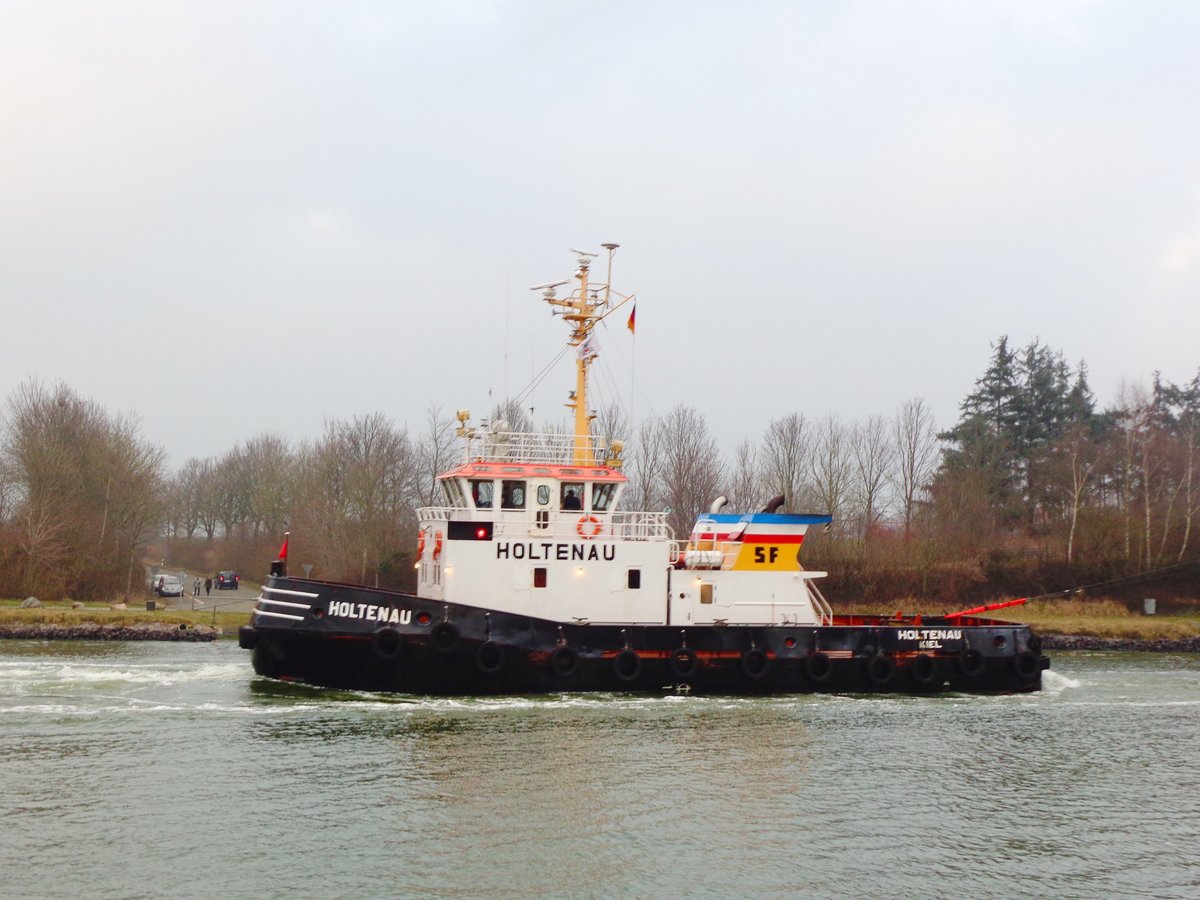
588, 526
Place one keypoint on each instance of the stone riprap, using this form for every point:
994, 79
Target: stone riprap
1086, 642
90, 631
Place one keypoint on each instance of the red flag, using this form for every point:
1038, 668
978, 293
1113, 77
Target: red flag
632, 316
283, 549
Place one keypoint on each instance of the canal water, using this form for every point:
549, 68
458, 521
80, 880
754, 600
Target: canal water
154, 770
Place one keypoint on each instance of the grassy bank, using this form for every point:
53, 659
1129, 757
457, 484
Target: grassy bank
63, 614
1106, 619
1091, 618
1098, 617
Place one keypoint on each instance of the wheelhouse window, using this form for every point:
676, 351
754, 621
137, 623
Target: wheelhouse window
481, 493
512, 494
571, 496
602, 496
543, 494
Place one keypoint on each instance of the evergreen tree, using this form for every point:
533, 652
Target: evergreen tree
983, 441
1021, 406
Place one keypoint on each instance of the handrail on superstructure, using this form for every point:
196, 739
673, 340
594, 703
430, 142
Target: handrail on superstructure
539, 449
824, 610
626, 525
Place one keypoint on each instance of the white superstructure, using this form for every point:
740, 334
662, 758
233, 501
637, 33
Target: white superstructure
532, 525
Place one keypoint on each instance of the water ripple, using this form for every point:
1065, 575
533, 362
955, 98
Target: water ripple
171, 770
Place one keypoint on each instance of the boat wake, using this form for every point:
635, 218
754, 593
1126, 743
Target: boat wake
1054, 682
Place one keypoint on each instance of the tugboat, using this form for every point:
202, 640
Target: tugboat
532, 579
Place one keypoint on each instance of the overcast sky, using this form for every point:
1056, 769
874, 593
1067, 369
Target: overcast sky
235, 218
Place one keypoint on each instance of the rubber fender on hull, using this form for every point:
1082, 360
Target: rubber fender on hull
564, 661
1025, 665
247, 637
387, 643
923, 670
489, 657
971, 663
684, 662
880, 670
445, 636
755, 664
627, 666
818, 667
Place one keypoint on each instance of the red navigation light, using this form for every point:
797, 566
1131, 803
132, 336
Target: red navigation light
481, 534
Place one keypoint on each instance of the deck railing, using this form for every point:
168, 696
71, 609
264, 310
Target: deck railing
535, 449
620, 526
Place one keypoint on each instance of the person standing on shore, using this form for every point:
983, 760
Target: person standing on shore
196, 588
207, 586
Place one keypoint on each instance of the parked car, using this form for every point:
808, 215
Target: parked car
168, 586
227, 581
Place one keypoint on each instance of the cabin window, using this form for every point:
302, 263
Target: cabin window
481, 492
542, 519
633, 579
512, 494
543, 494
572, 495
539, 577
602, 496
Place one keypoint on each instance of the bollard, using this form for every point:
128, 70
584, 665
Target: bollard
1148, 606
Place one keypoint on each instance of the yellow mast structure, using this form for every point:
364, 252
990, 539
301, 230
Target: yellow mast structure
584, 309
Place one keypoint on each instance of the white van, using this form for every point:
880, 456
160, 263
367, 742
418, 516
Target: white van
168, 586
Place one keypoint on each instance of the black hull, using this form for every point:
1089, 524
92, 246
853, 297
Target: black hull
362, 639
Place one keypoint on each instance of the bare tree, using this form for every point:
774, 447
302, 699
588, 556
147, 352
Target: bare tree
231, 494
644, 468
745, 484
831, 466
356, 514
186, 494
207, 490
510, 415
1070, 474
611, 424
916, 454
691, 466
89, 492
784, 460
435, 453
874, 461
1147, 492
268, 465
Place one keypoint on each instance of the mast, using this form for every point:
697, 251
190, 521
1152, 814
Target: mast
582, 310
584, 321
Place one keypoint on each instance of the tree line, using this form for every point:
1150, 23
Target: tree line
1034, 481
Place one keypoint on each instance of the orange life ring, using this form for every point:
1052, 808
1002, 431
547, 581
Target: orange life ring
585, 521
437, 544
421, 543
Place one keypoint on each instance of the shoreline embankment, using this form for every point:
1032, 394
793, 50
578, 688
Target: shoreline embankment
1089, 642
92, 631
